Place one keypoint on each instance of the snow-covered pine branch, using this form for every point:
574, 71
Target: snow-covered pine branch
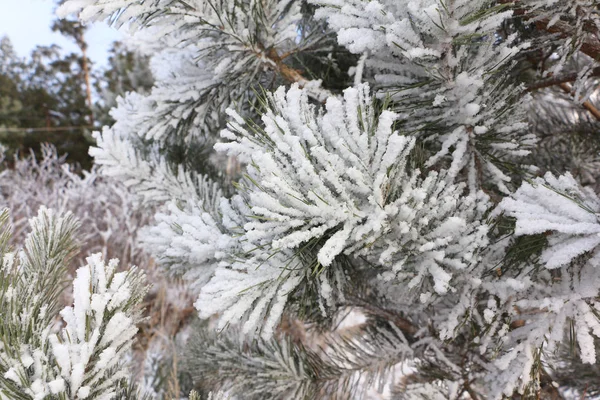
340, 200
572, 28
229, 45
561, 206
214, 53
395, 188
209, 55
152, 177
189, 238
301, 158
99, 330
447, 73
338, 367
341, 178
557, 296
86, 359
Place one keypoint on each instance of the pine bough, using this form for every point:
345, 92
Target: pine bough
411, 195
84, 357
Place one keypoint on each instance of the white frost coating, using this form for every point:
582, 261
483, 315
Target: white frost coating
83, 392
567, 215
12, 375
472, 109
354, 185
423, 49
106, 357
154, 181
561, 206
255, 288
57, 386
72, 7
89, 336
81, 295
355, 191
336, 181
189, 238
303, 199
199, 72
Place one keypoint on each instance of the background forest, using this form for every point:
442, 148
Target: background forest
59, 97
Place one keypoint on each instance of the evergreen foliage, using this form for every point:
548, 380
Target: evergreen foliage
39, 359
57, 97
386, 159
128, 71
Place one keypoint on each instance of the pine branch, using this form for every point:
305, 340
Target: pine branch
84, 359
395, 185
586, 104
590, 45
279, 369
294, 76
32, 285
554, 81
372, 308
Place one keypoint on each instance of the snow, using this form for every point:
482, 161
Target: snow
83, 392
57, 386
12, 375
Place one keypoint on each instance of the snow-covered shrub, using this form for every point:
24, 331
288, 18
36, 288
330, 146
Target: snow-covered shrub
109, 214
83, 357
110, 218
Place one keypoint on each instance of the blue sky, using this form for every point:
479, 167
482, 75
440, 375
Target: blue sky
27, 23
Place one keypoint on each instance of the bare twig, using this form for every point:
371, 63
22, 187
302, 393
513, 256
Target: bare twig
586, 104
560, 79
402, 323
589, 46
293, 75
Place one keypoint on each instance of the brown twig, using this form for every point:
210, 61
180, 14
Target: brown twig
586, 104
402, 323
591, 44
293, 75
470, 391
584, 392
559, 79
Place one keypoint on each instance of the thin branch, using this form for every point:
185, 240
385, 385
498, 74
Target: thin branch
590, 46
586, 104
402, 323
470, 391
293, 75
560, 79
584, 392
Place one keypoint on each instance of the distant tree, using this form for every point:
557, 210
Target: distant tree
75, 30
10, 103
127, 71
51, 105
44, 99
